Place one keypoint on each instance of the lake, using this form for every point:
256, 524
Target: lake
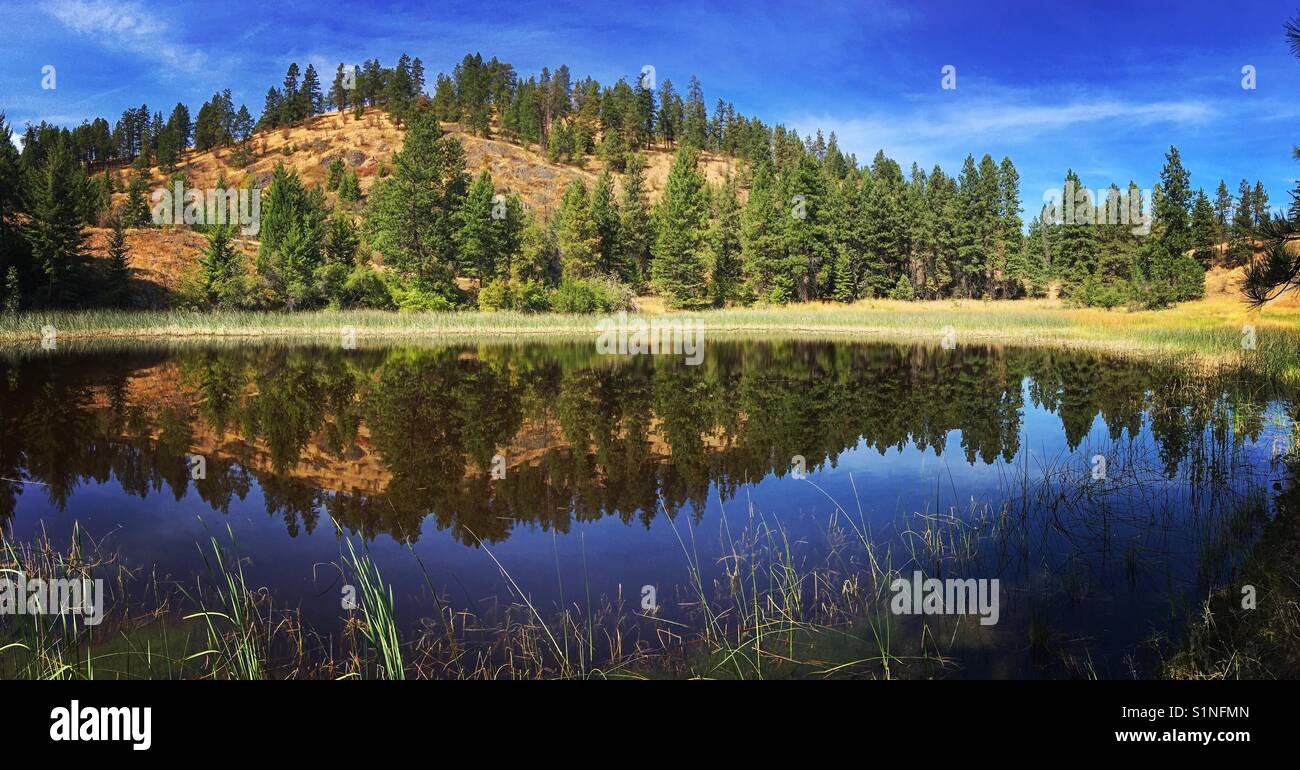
1107, 495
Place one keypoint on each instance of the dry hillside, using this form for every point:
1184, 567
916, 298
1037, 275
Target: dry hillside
160, 257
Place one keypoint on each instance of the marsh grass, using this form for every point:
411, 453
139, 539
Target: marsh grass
1206, 332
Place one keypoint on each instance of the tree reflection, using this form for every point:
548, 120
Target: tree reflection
384, 440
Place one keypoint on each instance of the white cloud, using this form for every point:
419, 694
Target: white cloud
932, 132
128, 27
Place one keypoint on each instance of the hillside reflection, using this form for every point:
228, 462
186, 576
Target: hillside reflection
391, 441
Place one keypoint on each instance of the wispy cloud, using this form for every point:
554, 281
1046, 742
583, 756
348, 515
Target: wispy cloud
931, 133
128, 27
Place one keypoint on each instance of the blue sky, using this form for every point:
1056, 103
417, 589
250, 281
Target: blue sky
1104, 87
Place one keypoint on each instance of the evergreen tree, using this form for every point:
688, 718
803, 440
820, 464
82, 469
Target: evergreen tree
54, 228
12, 295
1259, 206
763, 227
1010, 261
886, 231
635, 228
476, 236
117, 273
289, 248
1222, 210
695, 128
1241, 234
1205, 230
313, 102
349, 187
220, 270
724, 244
605, 218
807, 248
681, 217
1077, 242
334, 174
137, 213
13, 247
341, 241
411, 214
1169, 272
575, 233
291, 107
445, 106
339, 90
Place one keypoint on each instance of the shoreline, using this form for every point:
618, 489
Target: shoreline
1210, 331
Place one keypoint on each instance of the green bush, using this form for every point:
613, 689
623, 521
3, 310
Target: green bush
335, 174
903, 290
365, 288
521, 296
1096, 292
591, 295
418, 299
498, 294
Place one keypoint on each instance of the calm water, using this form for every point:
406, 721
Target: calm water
613, 471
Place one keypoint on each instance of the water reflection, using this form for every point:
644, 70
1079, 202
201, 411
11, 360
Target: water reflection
395, 441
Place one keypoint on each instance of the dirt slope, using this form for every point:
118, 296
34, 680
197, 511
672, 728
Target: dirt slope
366, 144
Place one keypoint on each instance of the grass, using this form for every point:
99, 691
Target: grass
1209, 331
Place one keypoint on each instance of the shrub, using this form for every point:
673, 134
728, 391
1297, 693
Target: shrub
521, 296
903, 290
364, 287
418, 299
335, 174
591, 295
349, 187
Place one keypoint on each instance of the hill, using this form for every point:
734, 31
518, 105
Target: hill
160, 257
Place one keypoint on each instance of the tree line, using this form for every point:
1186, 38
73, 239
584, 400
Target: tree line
798, 220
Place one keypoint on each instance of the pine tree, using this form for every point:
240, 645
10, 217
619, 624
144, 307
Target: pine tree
312, 101
11, 297
341, 241
724, 244
291, 107
13, 248
605, 218
54, 228
575, 232
445, 106
1009, 247
1170, 272
902, 290
1077, 241
1205, 230
885, 233
763, 227
635, 228
334, 174
219, 269
349, 187
339, 90
613, 151
476, 237
137, 213
1259, 206
411, 214
1222, 210
695, 128
807, 248
292, 229
1241, 233
681, 217
117, 273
